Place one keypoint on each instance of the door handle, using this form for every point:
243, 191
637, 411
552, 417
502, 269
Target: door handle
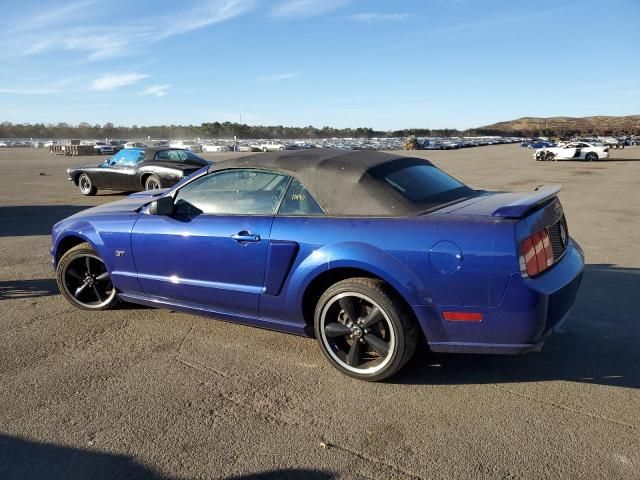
245, 236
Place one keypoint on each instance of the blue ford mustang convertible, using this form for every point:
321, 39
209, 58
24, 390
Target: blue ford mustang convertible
369, 252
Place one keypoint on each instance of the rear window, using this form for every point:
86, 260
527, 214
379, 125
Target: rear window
420, 185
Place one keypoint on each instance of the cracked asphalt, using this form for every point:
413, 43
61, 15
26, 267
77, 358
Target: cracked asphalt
143, 393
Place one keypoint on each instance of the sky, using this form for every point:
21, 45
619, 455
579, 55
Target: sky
384, 64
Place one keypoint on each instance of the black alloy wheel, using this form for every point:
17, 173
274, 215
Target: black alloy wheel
364, 330
83, 279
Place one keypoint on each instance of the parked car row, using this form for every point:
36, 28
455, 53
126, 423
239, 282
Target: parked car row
109, 147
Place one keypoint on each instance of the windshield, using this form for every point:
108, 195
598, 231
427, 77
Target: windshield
420, 184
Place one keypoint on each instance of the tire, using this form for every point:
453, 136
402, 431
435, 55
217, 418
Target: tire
551, 157
86, 186
591, 157
372, 347
83, 279
152, 182
265, 150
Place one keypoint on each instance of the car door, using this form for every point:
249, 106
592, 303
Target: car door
120, 174
211, 252
569, 150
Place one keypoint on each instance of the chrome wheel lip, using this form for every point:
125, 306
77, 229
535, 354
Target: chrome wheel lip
152, 184
85, 184
392, 334
71, 294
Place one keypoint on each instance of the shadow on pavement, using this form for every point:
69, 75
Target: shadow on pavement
19, 221
17, 289
28, 460
22, 459
599, 343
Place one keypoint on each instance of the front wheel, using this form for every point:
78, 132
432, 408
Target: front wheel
364, 330
152, 183
591, 156
83, 279
86, 185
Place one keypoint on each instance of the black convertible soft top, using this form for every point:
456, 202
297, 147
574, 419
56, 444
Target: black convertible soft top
341, 180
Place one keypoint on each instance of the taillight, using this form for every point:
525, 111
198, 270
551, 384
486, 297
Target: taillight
537, 254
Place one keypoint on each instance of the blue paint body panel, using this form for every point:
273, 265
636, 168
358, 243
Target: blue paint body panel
463, 257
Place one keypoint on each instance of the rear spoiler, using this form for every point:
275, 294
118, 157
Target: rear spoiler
523, 205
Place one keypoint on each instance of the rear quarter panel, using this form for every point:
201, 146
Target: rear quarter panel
398, 251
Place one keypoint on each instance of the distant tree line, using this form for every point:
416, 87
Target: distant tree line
86, 130
205, 130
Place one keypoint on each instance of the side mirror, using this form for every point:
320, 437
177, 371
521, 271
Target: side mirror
161, 206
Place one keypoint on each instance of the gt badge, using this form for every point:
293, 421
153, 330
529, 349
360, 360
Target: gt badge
119, 253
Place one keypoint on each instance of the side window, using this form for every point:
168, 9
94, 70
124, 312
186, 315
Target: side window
174, 155
163, 155
232, 192
170, 155
298, 201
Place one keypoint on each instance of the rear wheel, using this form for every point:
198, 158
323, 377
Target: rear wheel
591, 156
86, 185
83, 279
364, 330
152, 183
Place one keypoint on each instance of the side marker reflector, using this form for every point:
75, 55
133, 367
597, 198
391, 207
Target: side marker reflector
462, 316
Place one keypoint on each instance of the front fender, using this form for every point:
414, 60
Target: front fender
78, 229
112, 243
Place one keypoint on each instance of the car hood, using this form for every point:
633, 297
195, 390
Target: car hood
150, 194
129, 204
83, 167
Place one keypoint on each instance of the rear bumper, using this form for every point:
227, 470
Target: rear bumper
530, 311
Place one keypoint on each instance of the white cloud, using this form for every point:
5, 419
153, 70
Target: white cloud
29, 91
492, 22
378, 17
71, 12
157, 90
100, 40
113, 81
276, 77
306, 8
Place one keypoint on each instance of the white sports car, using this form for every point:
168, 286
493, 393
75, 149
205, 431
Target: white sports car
572, 151
209, 147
